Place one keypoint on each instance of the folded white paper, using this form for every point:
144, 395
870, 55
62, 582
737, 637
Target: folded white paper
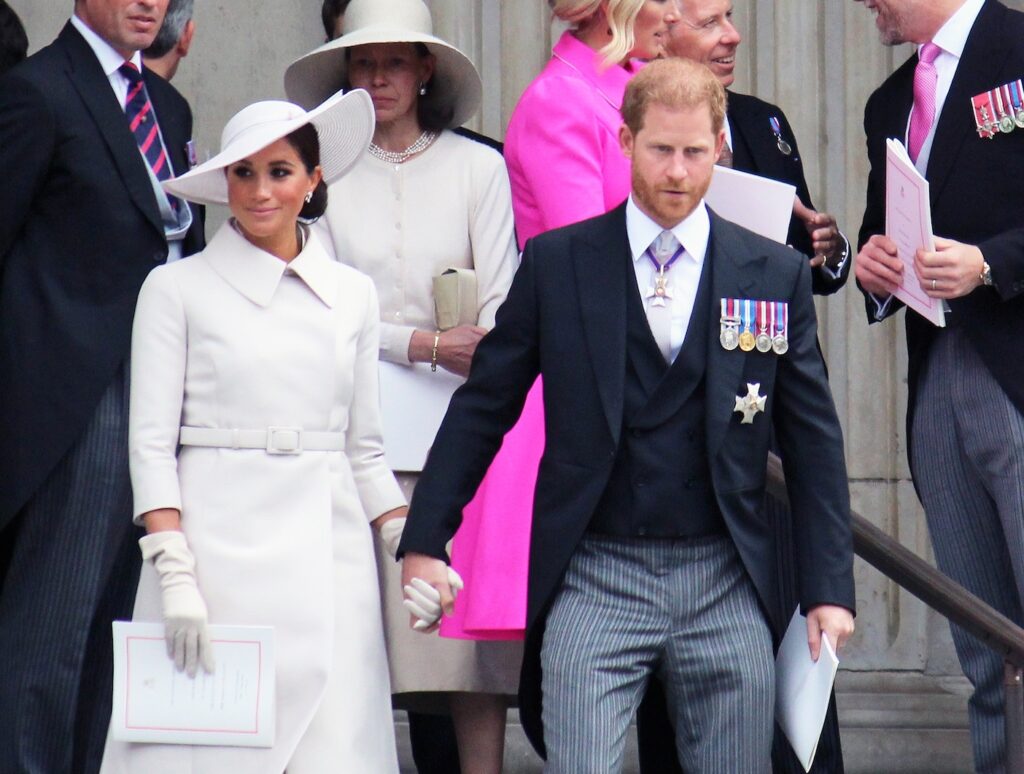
154, 702
413, 401
763, 205
802, 689
908, 223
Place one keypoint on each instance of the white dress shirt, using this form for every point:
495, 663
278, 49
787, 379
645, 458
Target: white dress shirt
951, 38
683, 277
109, 59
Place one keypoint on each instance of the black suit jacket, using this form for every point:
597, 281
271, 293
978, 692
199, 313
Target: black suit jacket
80, 231
756, 150
565, 319
977, 196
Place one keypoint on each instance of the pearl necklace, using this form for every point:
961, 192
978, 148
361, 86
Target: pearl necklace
400, 157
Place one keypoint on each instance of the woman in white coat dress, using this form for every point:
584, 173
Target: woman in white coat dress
259, 357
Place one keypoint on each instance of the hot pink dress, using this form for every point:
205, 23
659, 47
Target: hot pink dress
565, 165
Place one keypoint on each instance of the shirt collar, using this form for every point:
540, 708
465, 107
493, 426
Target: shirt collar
609, 81
692, 232
109, 59
256, 274
952, 36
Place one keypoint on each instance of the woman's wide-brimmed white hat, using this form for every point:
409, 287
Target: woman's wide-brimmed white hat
344, 125
455, 85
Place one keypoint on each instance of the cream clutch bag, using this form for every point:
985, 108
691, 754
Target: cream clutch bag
455, 301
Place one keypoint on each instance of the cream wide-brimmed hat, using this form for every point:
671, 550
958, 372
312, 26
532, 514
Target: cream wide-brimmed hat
455, 85
344, 125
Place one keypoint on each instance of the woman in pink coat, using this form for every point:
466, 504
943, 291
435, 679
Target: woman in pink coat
562, 145
565, 165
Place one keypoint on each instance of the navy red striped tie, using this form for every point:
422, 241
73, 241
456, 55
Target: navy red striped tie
142, 121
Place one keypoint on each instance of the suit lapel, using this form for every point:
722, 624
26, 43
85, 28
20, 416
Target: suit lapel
736, 273
598, 258
744, 141
978, 70
92, 85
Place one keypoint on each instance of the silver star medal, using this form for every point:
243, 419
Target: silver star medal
661, 292
751, 404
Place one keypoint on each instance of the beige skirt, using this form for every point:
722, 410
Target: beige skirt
425, 665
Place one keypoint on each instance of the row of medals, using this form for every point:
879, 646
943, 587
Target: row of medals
731, 337
1010, 116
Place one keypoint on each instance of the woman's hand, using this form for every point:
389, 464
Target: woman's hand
390, 525
455, 347
188, 643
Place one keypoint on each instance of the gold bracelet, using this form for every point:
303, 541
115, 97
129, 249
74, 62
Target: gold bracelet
433, 352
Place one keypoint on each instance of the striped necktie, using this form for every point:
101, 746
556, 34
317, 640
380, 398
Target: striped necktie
142, 121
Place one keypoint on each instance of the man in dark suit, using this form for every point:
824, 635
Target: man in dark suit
965, 414
647, 551
759, 140
84, 221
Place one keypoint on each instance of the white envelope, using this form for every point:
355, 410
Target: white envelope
803, 688
413, 401
763, 205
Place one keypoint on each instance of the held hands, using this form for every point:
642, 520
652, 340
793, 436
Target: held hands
833, 620
878, 268
430, 588
952, 271
188, 643
824, 233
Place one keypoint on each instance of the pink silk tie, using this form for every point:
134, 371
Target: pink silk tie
923, 115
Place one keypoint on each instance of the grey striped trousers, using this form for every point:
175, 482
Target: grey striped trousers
73, 568
968, 462
684, 609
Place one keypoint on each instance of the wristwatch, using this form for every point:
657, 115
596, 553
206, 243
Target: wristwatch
986, 274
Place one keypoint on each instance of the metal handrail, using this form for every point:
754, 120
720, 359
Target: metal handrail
946, 597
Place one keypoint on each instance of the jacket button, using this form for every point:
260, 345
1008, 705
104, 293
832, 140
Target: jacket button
641, 483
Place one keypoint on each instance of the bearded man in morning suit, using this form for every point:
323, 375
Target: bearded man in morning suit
759, 140
965, 414
647, 551
84, 221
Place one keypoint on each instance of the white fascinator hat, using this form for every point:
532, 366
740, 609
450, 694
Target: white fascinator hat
344, 125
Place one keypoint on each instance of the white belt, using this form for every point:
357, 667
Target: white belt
275, 440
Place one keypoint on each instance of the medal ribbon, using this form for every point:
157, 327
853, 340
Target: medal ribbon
663, 267
762, 316
982, 104
1015, 90
748, 316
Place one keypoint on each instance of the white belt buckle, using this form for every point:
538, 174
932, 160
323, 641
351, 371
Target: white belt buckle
284, 440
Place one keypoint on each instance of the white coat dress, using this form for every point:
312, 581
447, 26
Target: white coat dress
236, 338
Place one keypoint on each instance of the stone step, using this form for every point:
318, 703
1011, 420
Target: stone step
892, 723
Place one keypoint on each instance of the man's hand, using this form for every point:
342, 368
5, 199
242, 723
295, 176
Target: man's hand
455, 347
878, 267
823, 230
833, 620
427, 583
952, 271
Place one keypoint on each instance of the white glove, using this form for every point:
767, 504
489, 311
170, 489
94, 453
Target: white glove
391, 534
188, 643
424, 601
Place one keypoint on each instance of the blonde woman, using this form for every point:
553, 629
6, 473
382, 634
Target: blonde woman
562, 145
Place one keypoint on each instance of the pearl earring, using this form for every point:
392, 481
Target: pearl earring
309, 197
423, 89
